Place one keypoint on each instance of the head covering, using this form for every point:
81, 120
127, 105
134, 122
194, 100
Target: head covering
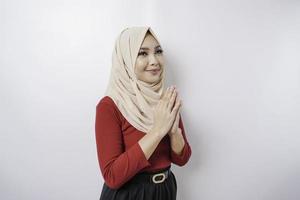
135, 98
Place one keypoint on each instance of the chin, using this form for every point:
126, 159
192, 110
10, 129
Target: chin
152, 80
149, 79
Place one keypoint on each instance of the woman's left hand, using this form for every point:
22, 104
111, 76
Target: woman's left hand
175, 128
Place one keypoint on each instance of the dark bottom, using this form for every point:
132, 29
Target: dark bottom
131, 190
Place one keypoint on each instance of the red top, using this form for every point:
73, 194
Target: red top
120, 156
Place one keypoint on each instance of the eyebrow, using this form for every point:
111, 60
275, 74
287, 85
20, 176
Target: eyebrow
146, 48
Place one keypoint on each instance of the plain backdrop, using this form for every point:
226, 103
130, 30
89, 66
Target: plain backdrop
235, 63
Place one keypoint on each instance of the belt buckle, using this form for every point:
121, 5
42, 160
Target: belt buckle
159, 181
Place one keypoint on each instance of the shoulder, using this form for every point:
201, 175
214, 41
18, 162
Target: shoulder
106, 101
107, 105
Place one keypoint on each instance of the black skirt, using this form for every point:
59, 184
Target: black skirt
144, 186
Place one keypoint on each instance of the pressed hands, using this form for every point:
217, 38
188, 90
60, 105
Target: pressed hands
166, 121
166, 113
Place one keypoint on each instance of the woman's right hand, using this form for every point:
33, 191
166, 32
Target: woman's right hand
165, 111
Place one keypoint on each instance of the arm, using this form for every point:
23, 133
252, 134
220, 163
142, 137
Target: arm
180, 148
177, 142
117, 166
149, 142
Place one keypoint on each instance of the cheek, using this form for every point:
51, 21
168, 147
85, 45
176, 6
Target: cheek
140, 65
161, 60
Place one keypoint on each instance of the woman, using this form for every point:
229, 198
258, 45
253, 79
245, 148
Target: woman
139, 131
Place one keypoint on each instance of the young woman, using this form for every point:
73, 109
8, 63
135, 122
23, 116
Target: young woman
139, 131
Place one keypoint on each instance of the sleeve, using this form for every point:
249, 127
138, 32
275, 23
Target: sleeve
186, 152
117, 166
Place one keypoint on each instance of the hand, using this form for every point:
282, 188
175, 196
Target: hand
165, 112
175, 128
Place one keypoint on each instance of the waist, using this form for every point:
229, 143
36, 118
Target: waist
152, 177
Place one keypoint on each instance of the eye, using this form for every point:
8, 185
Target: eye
142, 53
160, 51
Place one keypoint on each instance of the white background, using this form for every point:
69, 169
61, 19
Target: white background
236, 65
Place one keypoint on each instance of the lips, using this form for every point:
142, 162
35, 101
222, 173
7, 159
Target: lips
154, 72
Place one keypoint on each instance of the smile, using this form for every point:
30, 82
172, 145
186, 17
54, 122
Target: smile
154, 72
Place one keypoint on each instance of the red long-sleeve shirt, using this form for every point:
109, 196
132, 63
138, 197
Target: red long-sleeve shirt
120, 156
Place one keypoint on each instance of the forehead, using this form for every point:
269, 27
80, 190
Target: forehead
149, 41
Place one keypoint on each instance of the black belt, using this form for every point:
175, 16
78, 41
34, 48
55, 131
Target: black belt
152, 177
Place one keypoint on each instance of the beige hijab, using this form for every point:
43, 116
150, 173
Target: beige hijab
135, 99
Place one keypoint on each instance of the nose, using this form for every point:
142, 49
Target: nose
153, 60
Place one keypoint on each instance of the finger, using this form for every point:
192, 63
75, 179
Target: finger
173, 99
176, 107
177, 119
175, 123
166, 92
178, 111
170, 92
166, 98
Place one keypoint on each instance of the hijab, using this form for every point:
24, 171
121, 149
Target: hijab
134, 98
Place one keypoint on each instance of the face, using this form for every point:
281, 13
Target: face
150, 62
